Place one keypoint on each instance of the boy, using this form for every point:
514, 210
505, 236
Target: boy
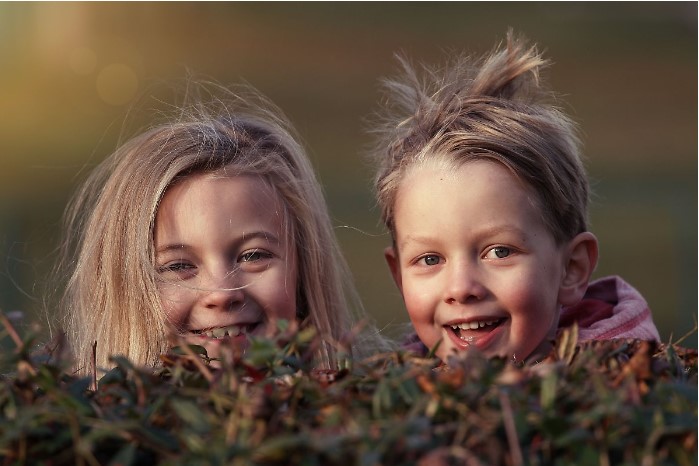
482, 188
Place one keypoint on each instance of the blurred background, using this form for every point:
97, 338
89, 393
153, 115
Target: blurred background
627, 73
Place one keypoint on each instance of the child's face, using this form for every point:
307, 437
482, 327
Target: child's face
226, 267
475, 263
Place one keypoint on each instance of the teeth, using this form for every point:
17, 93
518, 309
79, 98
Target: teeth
222, 332
475, 325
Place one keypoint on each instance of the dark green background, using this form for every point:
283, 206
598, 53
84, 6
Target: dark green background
627, 72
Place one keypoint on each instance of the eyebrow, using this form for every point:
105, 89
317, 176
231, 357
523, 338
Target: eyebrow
265, 235
484, 233
414, 239
171, 247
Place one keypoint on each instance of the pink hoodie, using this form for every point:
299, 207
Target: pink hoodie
611, 308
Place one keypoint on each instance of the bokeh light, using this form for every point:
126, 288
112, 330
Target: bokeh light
83, 61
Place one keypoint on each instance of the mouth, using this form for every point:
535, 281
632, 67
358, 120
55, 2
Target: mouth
230, 331
475, 332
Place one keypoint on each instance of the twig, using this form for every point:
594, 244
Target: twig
510, 429
93, 364
688, 334
11, 330
23, 365
197, 362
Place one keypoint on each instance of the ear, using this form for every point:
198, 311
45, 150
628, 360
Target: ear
393, 262
580, 261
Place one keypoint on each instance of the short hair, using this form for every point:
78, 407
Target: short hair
495, 108
111, 295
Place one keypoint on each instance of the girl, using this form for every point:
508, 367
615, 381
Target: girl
212, 226
481, 185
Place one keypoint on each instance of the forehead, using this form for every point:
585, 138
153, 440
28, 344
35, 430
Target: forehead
469, 171
204, 202
238, 189
483, 192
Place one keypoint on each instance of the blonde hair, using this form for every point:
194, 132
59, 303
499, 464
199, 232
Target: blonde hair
495, 108
111, 296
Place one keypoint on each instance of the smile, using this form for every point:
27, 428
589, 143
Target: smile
229, 331
473, 332
475, 325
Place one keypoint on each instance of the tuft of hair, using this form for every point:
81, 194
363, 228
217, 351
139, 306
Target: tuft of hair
495, 107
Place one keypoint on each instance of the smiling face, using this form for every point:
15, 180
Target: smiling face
474, 261
226, 270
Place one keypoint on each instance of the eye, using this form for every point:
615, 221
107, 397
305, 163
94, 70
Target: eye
498, 252
254, 255
430, 259
255, 260
177, 269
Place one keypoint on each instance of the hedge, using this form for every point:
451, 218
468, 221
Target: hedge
620, 402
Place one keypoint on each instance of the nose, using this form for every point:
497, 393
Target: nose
464, 283
224, 292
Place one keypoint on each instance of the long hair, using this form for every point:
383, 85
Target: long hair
491, 108
111, 296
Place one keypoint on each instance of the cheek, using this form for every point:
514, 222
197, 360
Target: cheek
279, 292
418, 304
175, 303
526, 299
534, 312
286, 305
421, 307
421, 311
533, 291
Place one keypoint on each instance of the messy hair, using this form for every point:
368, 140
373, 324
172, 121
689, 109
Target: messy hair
494, 108
111, 296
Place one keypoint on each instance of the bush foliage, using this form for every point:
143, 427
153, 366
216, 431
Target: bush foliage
601, 403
